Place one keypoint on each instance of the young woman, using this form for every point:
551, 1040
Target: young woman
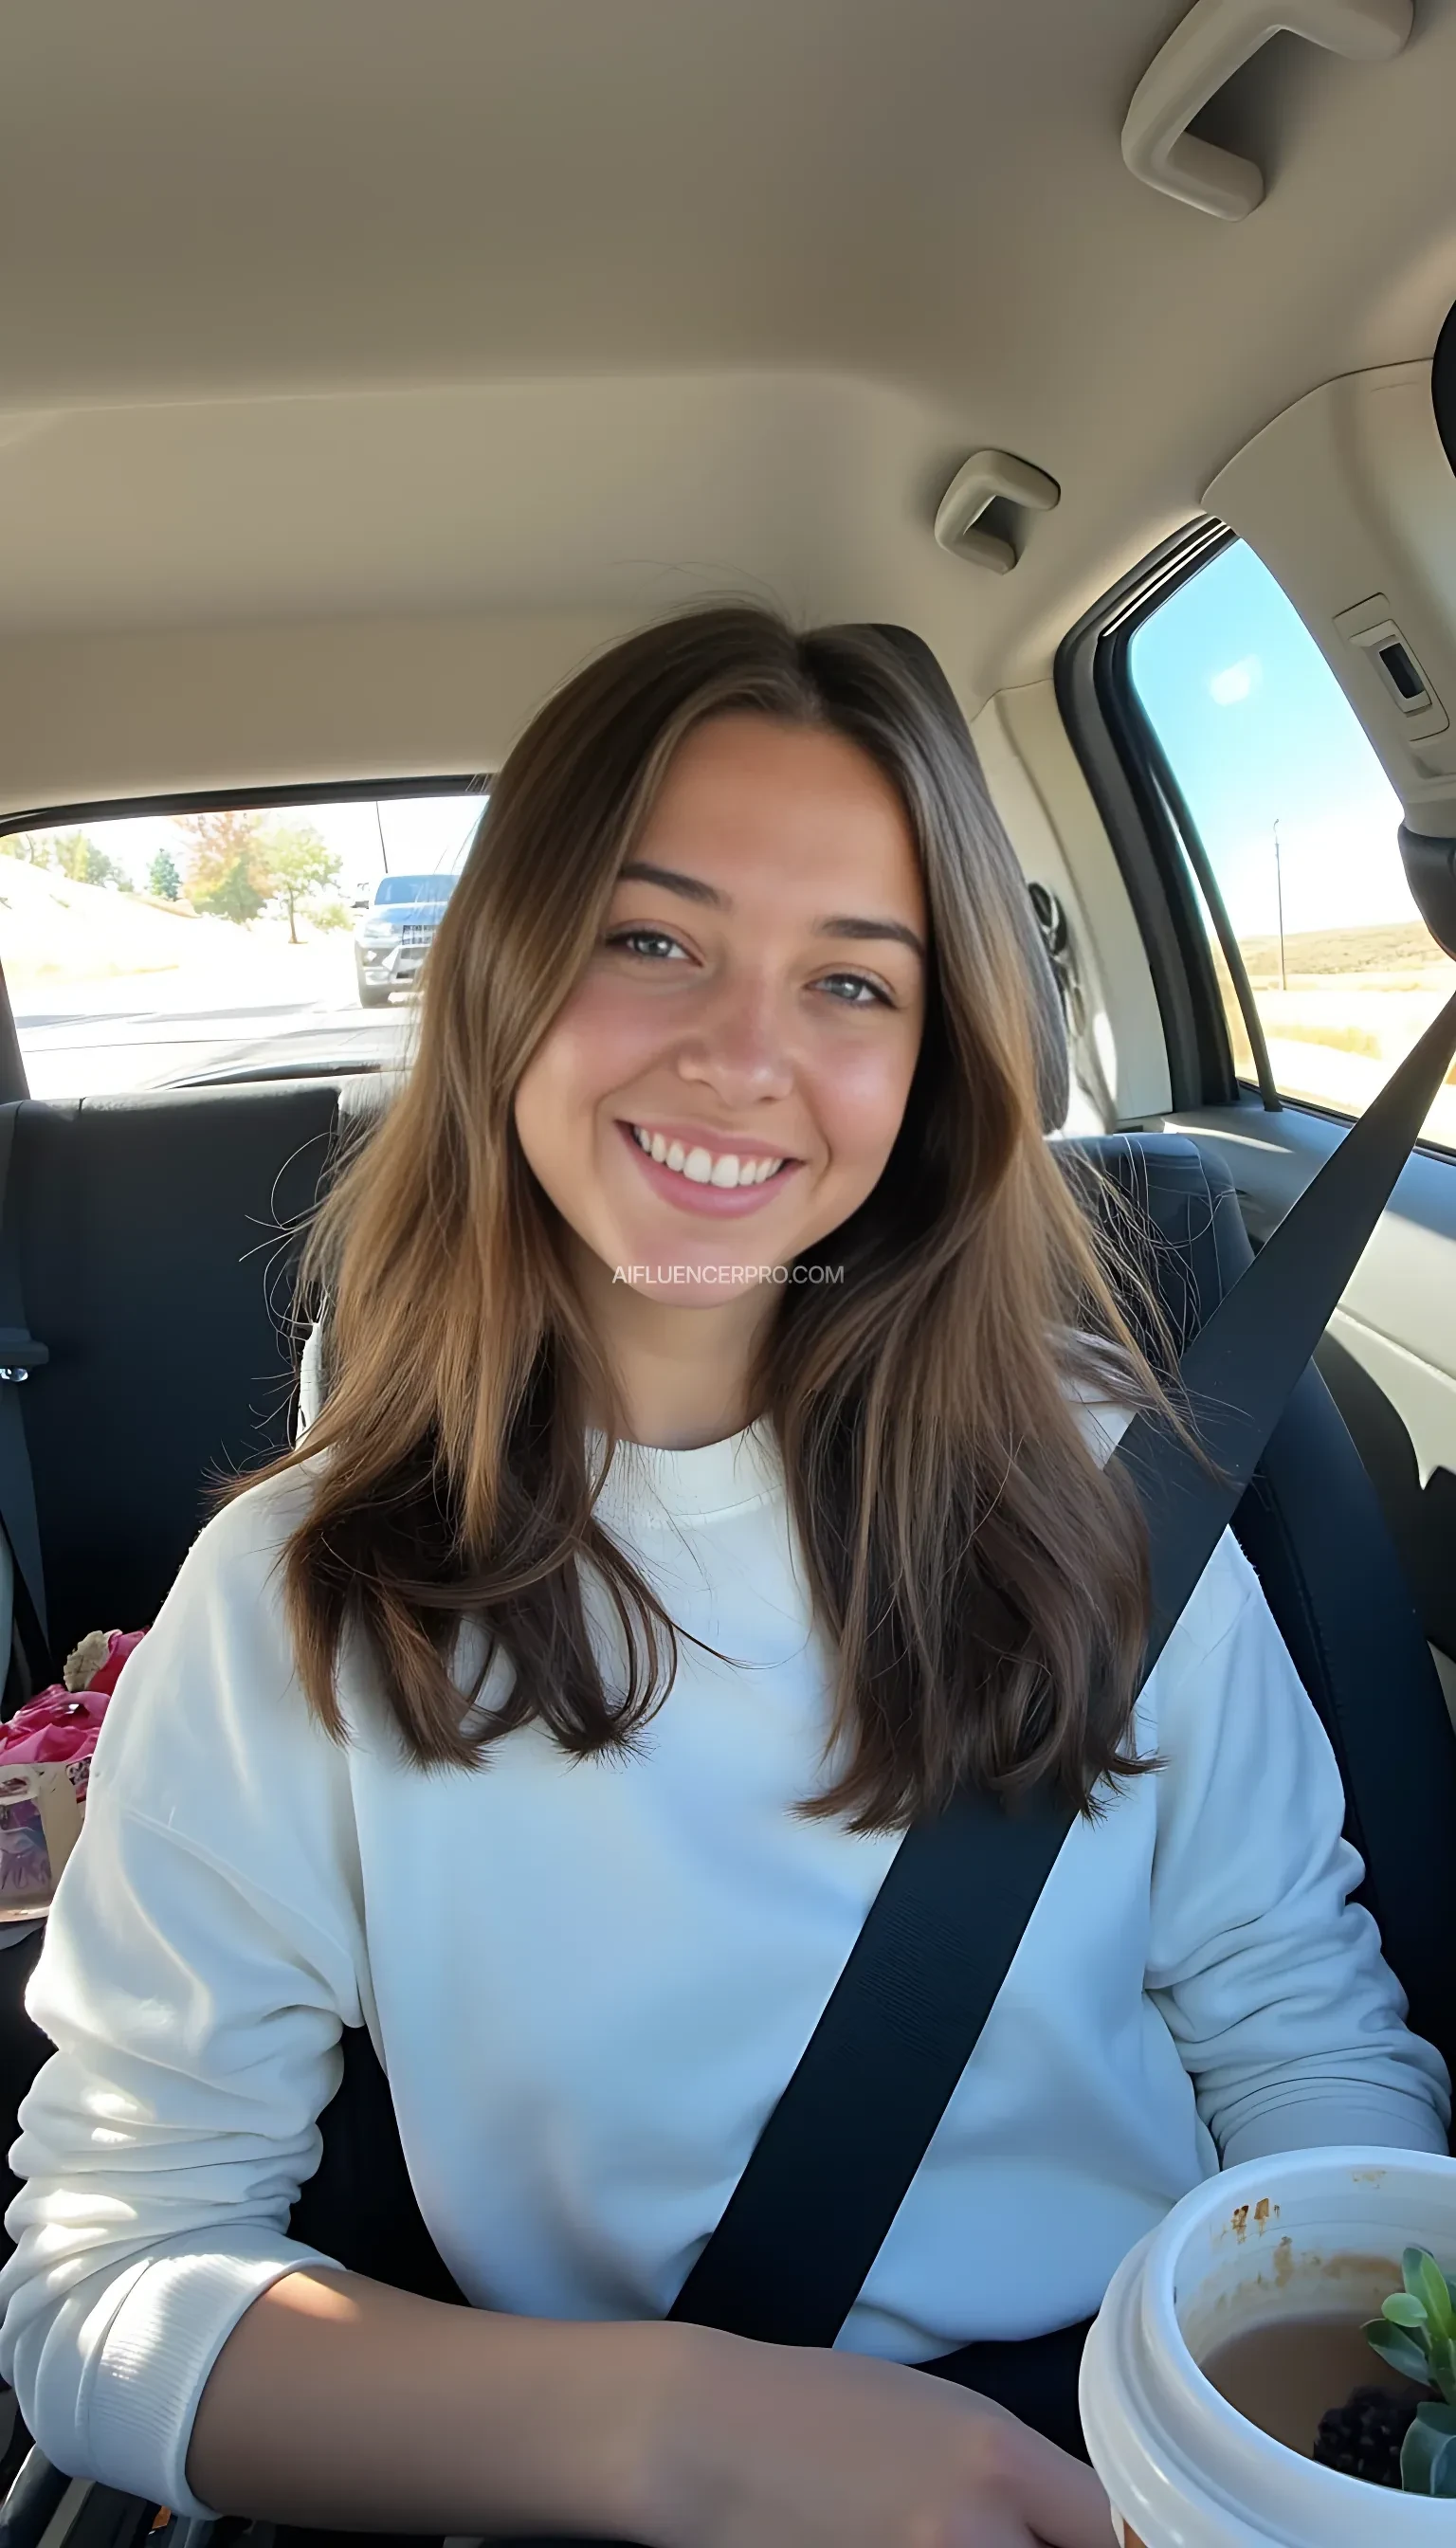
711, 1475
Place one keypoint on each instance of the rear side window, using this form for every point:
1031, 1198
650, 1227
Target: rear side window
1299, 825
149, 950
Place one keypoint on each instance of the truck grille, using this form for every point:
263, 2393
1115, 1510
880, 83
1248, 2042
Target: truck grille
417, 933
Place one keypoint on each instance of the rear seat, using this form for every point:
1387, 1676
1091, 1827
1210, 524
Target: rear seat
157, 1267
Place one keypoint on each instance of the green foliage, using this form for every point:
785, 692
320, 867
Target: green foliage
163, 878
236, 864
1416, 2333
222, 861
100, 870
332, 914
1429, 2453
235, 894
73, 855
300, 866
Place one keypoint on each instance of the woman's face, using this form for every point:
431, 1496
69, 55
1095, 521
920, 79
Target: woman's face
725, 1084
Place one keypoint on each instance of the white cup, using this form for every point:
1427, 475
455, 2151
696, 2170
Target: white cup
1307, 2234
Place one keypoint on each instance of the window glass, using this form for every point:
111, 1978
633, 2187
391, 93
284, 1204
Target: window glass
143, 950
1299, 823
411, 888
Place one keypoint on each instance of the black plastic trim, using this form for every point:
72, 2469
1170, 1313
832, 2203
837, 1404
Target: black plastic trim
1104, 726
1443, 385
218, 800
1166, 778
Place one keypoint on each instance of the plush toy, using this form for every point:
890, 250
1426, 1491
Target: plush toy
95, 1663
62, 1723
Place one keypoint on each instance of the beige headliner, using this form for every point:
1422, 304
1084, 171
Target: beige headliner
384, 310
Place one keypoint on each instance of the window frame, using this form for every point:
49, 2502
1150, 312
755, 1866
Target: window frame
1156, 843
15, 1087
1155, 840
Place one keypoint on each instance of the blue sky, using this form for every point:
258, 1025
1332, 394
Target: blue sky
1258, 729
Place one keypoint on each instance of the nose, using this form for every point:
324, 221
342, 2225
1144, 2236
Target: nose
739, 1042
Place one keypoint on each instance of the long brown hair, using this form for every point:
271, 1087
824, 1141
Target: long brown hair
980, 1575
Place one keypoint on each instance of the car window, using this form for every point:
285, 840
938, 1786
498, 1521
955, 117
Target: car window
143, 950
1298, 824
413, 888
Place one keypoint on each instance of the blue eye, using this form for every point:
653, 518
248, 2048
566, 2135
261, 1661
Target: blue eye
624, 938
862, 983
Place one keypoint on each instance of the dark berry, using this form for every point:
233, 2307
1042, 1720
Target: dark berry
1363, 2437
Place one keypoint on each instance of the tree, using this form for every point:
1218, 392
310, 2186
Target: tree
71, 851
300, 866
222, 862
98, 868
73, 855
163, 878
237, 894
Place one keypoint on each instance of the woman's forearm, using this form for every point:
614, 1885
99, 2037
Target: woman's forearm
337, 2401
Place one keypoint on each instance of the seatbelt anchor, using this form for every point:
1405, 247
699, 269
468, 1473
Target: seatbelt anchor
20, 1354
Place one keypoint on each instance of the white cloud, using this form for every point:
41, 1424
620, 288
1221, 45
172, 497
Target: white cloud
1233, 684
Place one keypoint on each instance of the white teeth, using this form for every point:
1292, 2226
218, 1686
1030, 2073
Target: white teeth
700, 1166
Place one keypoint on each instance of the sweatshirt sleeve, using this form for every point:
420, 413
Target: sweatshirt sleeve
1271, 1980
201, 1957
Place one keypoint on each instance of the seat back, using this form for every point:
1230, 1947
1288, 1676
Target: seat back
157, 1269
1313, 1531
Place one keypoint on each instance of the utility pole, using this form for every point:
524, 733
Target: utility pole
1279, 891
383, 854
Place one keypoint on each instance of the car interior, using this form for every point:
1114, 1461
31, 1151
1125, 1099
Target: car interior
365, 370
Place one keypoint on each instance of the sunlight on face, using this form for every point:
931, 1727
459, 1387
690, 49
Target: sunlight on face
758, 996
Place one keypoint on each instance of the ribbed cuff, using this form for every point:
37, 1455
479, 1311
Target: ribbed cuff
1392, 2121
158, 2352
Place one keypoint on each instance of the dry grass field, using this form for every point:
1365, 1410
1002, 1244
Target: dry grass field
1350, 1006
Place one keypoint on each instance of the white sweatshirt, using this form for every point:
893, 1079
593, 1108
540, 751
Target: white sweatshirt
589, 1982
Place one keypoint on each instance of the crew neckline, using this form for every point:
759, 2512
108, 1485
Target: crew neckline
651, 1487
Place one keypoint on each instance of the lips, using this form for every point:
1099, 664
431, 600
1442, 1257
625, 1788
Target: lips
688, 1194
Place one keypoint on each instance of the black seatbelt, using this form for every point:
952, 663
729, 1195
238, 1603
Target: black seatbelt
1241, 1367
835, 2158
20, 1355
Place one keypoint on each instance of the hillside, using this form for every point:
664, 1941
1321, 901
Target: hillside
1394, 946
54, 933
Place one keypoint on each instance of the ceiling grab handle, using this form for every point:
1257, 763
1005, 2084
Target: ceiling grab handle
989, 477
1213, 41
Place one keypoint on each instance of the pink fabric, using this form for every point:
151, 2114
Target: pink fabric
120, 1646
59, 1724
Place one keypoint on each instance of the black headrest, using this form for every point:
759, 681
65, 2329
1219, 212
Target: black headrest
1053, 1062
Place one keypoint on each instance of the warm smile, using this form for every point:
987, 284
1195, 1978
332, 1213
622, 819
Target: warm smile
700, 1179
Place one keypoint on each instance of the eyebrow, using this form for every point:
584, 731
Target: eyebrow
694, 889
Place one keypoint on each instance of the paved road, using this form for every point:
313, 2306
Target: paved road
85, 1054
